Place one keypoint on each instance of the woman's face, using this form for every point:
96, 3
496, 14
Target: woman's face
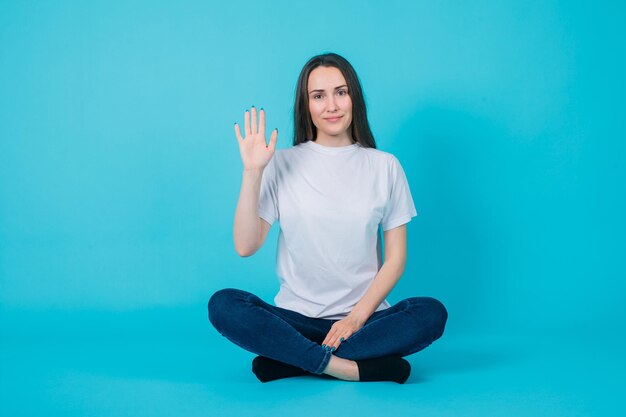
330, 104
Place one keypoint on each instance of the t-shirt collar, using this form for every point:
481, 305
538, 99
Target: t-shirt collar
329, 150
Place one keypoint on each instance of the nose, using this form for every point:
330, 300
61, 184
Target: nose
332, 105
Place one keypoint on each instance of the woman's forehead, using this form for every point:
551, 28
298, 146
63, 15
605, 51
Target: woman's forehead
325, 78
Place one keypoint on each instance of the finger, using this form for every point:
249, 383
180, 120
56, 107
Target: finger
340, 341
262, 123
246, 123
336, 342
238, 133
254, 124
273, 139
329, 337
333, 339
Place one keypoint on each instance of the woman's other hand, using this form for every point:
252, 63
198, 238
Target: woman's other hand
255, 153
340, 331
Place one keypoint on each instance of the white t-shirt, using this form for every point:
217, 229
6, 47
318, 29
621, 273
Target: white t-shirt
330, 202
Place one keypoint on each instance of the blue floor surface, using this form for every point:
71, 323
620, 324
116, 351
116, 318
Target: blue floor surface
78, 370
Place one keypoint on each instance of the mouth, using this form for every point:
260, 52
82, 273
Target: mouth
333, 119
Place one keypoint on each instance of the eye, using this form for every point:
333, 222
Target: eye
342, 92
315, 96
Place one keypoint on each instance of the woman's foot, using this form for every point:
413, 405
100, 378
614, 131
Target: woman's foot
267, 369
386, 368
342, 369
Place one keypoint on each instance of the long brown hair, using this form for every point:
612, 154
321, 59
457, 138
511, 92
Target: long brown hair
303, 127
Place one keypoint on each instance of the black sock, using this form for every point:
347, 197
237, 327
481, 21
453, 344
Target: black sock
386, 368
267, 369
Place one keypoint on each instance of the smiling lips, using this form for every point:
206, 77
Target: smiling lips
333, 119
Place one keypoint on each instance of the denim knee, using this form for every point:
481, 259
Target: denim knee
438, 315
221, 301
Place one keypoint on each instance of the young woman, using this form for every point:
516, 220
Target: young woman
330, 192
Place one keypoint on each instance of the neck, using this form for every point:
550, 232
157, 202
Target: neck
334, 141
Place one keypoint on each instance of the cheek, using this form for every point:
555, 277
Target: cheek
314, 106
314, 110
347, 104
348, 107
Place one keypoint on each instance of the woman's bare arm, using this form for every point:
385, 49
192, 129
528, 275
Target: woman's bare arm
249, 230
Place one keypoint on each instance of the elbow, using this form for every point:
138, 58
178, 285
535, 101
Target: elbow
402, 267
244, 252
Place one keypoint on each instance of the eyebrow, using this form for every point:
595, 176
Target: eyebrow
336, 88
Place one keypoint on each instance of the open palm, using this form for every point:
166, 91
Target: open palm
255, 152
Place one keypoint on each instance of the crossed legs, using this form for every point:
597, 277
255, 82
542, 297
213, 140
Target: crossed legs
291, 338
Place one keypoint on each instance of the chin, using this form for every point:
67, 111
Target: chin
339, 130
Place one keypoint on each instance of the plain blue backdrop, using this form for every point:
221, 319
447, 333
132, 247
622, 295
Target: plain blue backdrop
120, 171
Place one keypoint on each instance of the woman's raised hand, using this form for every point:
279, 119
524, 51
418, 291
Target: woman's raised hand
255, 153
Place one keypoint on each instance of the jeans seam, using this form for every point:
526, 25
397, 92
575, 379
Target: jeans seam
324, 363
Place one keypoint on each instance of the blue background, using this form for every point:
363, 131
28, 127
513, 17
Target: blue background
120, 174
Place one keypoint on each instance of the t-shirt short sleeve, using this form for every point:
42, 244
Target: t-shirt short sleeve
400, 207
268, 201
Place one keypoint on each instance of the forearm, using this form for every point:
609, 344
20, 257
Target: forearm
383, 283
246, 229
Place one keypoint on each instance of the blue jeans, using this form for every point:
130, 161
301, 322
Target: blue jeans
290, 337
